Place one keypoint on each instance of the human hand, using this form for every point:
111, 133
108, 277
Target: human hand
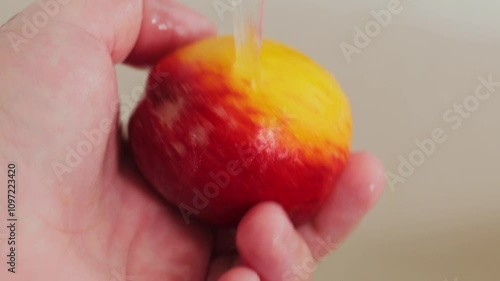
96, 219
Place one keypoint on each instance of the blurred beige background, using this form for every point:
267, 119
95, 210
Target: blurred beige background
443, 222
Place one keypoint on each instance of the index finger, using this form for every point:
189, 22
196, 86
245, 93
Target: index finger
355, 194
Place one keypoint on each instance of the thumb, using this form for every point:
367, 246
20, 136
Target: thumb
148, 27
57, 79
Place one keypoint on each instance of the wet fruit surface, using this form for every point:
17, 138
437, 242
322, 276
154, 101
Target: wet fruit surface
215, 138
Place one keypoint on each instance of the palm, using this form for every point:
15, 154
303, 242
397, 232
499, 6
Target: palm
99, 213
132, 235
126, 234
85, 213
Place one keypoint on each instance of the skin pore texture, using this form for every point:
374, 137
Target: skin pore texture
97, 219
